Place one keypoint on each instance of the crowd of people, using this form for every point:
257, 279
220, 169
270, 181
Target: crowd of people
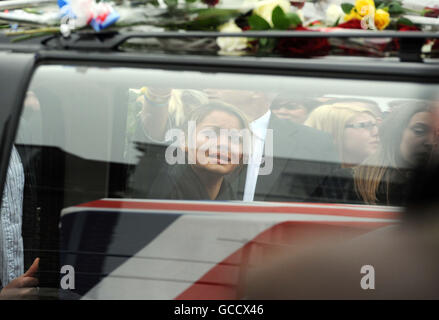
315, 149
334, 150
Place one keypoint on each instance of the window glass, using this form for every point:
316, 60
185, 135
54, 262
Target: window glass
154, 134
90, 133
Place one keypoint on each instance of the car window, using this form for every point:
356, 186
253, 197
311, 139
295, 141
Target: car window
91, 133
155, 134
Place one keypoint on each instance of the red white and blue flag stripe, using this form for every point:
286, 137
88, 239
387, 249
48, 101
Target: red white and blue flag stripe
160, 249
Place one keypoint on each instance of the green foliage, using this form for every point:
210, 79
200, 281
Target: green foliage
380, 4
205, 19
32, 10
347, 7
395, 7
266, 45
405, 21
256, 22
280, 19
215, 12
263, 42
171, 3
211, 18
294, 19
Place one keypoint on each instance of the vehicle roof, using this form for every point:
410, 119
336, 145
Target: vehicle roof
25, 35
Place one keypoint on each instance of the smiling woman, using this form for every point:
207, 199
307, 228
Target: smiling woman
214, 155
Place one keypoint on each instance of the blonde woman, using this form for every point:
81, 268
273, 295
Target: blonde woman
355, 133
353, 128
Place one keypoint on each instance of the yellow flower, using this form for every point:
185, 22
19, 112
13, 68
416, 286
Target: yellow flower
382, 19
265, 8
353, 15
365, 7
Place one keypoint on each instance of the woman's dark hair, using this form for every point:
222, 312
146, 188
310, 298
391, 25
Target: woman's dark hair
201, 112
369, 175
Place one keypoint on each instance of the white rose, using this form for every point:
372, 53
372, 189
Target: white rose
428, 47
333, 14
229, 45
301, 15
265, 8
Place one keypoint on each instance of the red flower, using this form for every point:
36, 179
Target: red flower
351, 24
211, 3
432, 12
299, 4
403, 27
303, 47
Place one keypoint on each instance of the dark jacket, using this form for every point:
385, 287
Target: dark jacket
180, 182
339, 187
396, 191
153, 178
393, 188
303, 157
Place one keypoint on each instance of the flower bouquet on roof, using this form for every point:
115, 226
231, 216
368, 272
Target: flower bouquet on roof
239, 17
378, 15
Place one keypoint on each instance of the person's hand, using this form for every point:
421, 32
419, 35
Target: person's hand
23, 287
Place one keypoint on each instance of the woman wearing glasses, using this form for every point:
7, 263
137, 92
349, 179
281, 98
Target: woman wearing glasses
353, 128
355, 133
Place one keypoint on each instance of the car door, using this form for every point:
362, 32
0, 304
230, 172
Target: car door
82, 136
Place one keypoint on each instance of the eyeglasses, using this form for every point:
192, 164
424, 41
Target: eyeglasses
362, 125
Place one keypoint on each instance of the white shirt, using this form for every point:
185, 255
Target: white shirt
259, 131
